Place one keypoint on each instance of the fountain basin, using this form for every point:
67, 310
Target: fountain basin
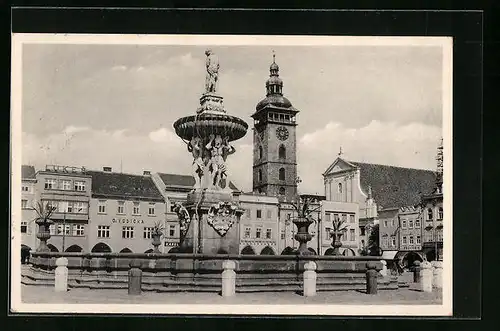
205, 124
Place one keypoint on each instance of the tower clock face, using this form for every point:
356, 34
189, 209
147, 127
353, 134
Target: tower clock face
282, 133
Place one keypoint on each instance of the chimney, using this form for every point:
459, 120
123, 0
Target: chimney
146, 173
107, 169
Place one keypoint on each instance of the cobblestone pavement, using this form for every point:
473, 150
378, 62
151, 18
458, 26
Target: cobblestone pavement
40, 294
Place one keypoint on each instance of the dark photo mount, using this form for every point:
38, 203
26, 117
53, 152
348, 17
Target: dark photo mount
466, 28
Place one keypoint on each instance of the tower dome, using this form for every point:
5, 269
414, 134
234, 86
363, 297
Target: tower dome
274, 89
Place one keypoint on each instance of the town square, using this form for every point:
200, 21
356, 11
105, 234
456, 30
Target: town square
233, 174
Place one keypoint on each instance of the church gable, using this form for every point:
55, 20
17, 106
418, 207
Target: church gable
339, 165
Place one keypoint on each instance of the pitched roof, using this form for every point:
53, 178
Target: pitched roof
124, 186
395, 186
184, 181
28, 172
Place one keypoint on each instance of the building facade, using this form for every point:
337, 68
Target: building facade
68, 190
28, 203
124, 209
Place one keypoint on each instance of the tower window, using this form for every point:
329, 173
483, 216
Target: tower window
260, 175
282, 173
282, 191
282, 152
260, 152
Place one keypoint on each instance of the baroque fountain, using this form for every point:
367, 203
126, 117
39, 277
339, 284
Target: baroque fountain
209, 219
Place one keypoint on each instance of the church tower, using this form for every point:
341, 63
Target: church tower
275, 141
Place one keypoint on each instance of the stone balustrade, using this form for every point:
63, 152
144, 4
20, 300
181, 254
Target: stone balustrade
195, 272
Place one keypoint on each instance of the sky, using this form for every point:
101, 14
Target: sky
114, 105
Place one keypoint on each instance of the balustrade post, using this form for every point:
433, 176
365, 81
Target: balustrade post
228, 278
61, 275
371, 278
135, 278
310, 278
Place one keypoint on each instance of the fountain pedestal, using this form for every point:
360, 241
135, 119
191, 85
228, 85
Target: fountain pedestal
214, 227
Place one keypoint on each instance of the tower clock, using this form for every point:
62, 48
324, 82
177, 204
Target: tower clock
275, 155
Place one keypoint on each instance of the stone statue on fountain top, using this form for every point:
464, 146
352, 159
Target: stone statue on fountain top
212, 64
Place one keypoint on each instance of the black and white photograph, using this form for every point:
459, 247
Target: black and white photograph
242, 174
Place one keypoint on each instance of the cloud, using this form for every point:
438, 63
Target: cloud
163, 135
119, 68
74, 129
98, 148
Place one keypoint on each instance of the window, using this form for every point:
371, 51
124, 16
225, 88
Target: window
403, 224
151, 209
335, 217
404, 240
385, 224
392, 223
25, 188
128, 232
24, 227
121, 207
351, 219
103, 231
393, 241
79, 185
429, 214
52, 230
102, 206
410, 224
65, 184
260, 175
171, 230
440, 213
247, 232
136, 208
69, 206
248, 213
327, 232
260, 152
282, 191
352, 235
417, 223
439, 235
269, 233
363, 231
147, 232
80, 207
411, 240
340, 188
258, 232
328, 217
66, 227
259, 213
282, 234
344, 218
282, 174
282, 152
289, 216
418, 240
24, 204
50, 184
269, 213
78, 230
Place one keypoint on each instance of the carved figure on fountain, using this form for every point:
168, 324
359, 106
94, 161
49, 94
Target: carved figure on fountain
198, 166
184, 218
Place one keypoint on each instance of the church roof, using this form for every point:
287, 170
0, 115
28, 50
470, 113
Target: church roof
395, 186
124, 186
28, 172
